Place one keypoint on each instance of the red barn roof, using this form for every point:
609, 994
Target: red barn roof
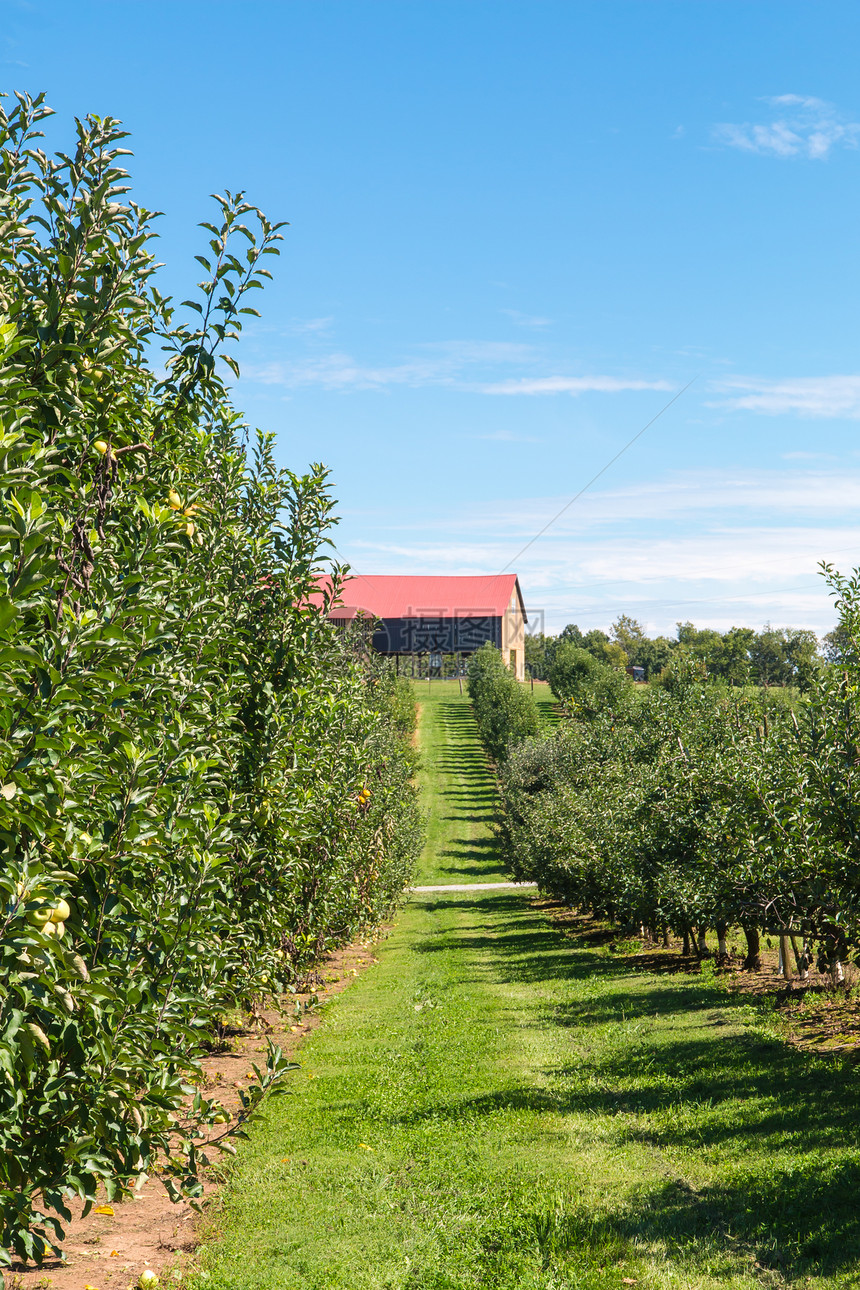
427, 596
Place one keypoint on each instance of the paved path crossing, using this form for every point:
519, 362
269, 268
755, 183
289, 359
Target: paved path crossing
475, 886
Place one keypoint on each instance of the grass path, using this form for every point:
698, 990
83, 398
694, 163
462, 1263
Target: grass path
497, 1106
457, 791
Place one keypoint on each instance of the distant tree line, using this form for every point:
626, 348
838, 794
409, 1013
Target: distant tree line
782, 656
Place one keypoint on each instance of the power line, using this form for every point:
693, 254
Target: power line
600, 472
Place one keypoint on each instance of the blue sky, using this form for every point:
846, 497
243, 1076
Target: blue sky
516, 231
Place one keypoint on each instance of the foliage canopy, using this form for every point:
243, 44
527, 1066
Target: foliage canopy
193, 765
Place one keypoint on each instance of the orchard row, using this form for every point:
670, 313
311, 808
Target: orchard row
202, 785
689, 807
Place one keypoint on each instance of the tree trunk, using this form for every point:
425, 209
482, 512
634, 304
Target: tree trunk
830, 961
785, 958
703, 951
808, 956
665, 936
752, 962
722, 943
686, 950
800, 960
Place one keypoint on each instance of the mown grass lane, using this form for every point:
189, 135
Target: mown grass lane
497, 1105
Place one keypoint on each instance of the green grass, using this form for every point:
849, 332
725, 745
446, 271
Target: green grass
496, 1106
457, 790
546, 704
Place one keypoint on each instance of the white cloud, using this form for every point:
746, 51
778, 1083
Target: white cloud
483, 351
458, 364
526, 320
679, 504
508, 436
570, 385
807, 456
310, 326
804, 127
717, 547
337, 371
746, 575
810, 396
756, 554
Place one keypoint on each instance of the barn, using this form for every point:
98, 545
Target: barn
419, 615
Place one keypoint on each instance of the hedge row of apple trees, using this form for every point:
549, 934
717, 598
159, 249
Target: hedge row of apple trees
202, 785
504, 710
693, 808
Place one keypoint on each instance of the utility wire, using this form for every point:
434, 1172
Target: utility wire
600, 472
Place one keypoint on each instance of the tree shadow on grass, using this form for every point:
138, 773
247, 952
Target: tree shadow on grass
476, 858
458, 723
782, 1127
798, 1221
462, 807
511, 942
468, 793
793, 1225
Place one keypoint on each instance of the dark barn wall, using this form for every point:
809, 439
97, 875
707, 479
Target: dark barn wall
436, 635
